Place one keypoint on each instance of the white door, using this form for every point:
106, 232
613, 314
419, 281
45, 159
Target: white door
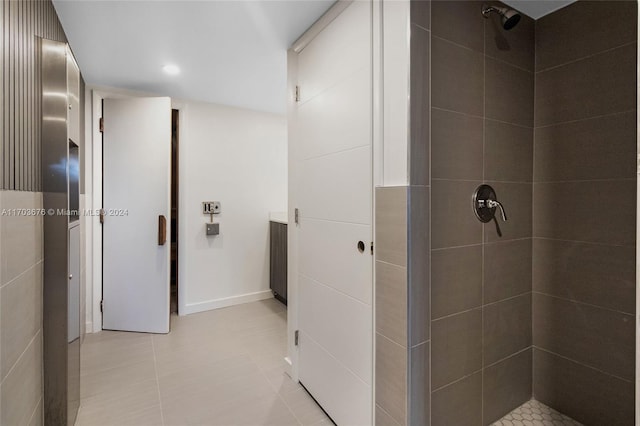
136, 192
334, 128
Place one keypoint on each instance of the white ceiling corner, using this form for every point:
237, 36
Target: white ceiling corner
230, 52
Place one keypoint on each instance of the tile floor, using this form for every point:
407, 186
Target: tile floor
224, 367
534, 413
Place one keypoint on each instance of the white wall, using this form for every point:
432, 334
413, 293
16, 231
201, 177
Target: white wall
237, 157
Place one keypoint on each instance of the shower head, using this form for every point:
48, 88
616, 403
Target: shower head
509, 17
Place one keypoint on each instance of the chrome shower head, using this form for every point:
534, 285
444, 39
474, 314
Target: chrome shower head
509, 17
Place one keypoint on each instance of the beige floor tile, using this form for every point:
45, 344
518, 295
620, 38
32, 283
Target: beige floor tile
220, 368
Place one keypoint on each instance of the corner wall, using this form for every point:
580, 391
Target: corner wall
584, 256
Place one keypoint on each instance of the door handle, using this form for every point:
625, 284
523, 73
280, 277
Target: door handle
162, 230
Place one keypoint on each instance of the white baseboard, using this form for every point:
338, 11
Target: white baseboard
288, 366
227, 301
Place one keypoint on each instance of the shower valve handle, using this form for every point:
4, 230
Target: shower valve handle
495, 203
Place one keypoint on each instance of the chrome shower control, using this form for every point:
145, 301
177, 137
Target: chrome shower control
485, 203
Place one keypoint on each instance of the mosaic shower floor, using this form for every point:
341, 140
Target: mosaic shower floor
534, 413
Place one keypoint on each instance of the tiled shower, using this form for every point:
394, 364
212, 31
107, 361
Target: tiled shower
541, 306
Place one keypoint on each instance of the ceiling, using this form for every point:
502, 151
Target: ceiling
229, 52
537, 8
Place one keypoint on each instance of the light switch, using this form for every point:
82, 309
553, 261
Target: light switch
213, 228
211, 207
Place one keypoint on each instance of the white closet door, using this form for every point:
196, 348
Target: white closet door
334, 128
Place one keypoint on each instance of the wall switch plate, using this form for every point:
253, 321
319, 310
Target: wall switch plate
211, 207
213, 228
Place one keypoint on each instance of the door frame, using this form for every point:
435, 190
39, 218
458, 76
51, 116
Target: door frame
95, 95
376, 162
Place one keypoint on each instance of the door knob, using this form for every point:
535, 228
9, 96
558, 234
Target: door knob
70, 276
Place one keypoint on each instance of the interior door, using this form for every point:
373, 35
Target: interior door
334, 124
136, 192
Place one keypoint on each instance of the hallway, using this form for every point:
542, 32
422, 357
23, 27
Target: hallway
223, 367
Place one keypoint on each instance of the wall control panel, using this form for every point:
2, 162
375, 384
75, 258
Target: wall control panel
211, 207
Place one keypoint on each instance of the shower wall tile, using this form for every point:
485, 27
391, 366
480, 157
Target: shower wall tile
421, 13
506, 328
457, 77
456, 347
508, 152
383, 418
419, 161
391, 378
391, 225
459, 22
459, 403
582, 29
591, 273
391, 302
515, 46
507, 269
597, 148
457, 144
508, 93
456, 285
516, 199
599, 85
419, 265
565, 211
452, 220
592, 336
585, 394
506, 384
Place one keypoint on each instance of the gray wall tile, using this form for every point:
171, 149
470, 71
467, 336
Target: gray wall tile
391, 302
509, 92
456, 347
419, 265
507, 269
506, 328
421, 13
21, 312
508, 152
452, 219
456, 280
384, 419
596, 337
565, 211
515, 46
599, 85
459, 403
456, 145
460, 22
391, 378
597, 274
457, 76
582, 29
516, 199
597, 148
506, 386
587, 395
21, 390
420, 105
391, 225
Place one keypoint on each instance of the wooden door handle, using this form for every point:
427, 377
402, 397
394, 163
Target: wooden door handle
162, 230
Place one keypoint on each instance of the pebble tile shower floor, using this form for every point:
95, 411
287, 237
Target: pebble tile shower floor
222, 367
534, 413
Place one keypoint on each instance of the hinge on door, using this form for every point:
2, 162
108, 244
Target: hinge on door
101, 305
296, 337
102, 216
296, 216
101, 124
297, 93
371, 248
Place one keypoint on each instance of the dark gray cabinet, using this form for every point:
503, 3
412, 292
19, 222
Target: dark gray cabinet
278, 260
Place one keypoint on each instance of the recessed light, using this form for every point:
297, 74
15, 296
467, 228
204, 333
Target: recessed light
171, 69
